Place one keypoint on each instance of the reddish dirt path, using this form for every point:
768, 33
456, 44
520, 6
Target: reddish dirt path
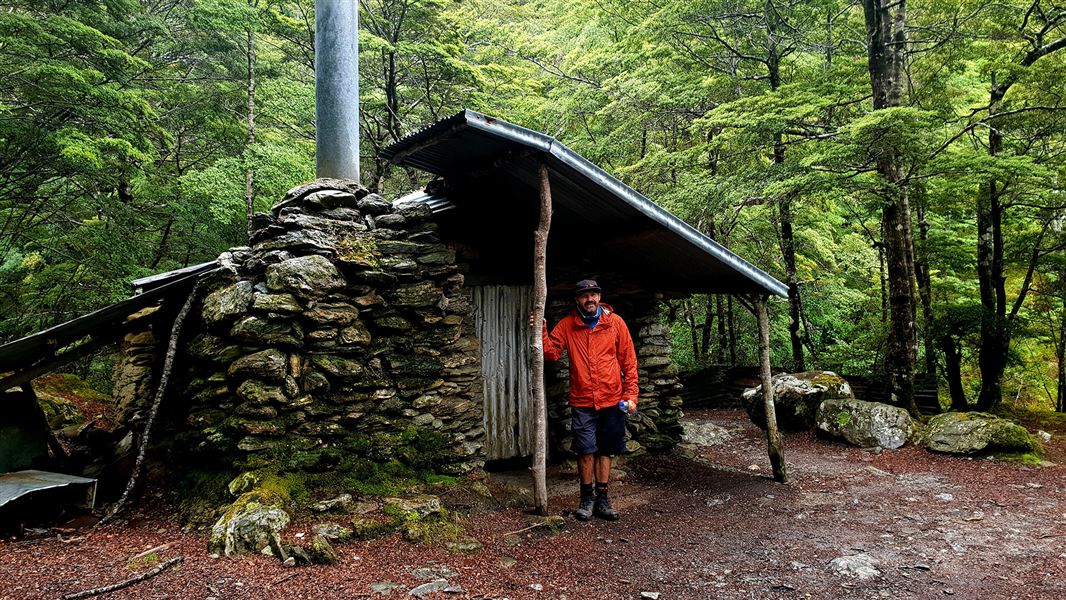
933, 527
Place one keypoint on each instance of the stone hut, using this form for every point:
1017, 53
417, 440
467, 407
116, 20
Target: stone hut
399, 330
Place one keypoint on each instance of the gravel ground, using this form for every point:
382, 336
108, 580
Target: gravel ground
901, 524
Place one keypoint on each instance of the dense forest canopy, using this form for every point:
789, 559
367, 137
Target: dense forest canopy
899, 164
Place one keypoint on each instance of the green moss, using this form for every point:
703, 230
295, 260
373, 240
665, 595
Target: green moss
1029, 459
287, 488
66, 383
209, 492
148, 560
843, 418
440, 528
362, 251
1033, 418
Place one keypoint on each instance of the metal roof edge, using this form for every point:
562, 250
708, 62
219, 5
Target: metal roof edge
553, 147
667, 219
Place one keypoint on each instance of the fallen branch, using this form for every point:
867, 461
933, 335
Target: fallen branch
533, 526
124, 584
158, 548
285, 578
161, 390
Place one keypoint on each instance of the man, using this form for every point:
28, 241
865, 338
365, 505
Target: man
603, 372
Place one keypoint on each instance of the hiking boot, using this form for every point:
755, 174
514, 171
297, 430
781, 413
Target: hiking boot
603, 510
584, 510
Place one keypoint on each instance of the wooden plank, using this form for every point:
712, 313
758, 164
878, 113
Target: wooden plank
502, 329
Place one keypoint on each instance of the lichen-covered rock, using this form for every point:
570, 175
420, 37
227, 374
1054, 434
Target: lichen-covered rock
211, 348
865, 424
278, 303
365, 528
322, 552
423, 506
343, 502
270, 364
306, 276
266, 332
258, 393
975, 432
224, 304
335, 314
245, 482
339, 367
332, 531
796, 398
250, 524
58, 411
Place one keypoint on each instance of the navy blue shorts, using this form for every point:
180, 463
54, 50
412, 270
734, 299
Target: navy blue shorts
598, 431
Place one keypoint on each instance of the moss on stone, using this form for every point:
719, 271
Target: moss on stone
358, 250
843, 418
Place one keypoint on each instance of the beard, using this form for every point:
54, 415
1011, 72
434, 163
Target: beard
588, 308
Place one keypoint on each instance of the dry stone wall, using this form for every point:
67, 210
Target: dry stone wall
343, 324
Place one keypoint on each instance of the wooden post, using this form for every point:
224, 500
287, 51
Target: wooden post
540, 296
773, 436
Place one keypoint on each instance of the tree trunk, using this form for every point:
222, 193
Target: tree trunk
249, 177
788, 240
1060, 392
723, 338
690, 320
884, 281
788, 249
925, 293
1060, 347
773, 437
708, 325
540, 296
992, 354
886, 48
952, 350
732, 331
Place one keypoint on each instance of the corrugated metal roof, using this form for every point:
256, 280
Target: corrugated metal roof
23, 353
655, 245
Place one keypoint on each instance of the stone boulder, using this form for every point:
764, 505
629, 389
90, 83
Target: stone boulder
975, 432
224, 304
250, 524
865, 424
796, 398
305, 276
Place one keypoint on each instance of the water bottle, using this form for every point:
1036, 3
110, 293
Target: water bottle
623, 405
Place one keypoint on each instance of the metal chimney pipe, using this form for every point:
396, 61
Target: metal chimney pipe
337, 89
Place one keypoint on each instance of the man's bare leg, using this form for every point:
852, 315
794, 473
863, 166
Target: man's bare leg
602, 507
585, 467
603, 468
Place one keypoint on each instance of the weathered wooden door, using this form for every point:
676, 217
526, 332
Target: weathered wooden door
502, 313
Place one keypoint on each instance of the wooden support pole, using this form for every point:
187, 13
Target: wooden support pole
773, 436
540, 298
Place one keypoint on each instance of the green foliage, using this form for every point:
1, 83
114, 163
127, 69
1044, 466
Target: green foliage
124, 147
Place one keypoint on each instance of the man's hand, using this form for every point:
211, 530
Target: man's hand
533, 316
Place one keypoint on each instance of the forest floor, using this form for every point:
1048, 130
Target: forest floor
914, 524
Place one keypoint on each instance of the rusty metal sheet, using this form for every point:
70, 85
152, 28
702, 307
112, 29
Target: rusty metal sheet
22, 483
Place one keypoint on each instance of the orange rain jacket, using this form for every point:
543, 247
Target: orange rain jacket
603, 364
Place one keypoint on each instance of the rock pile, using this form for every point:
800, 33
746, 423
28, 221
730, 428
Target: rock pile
343, 319
796, 398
